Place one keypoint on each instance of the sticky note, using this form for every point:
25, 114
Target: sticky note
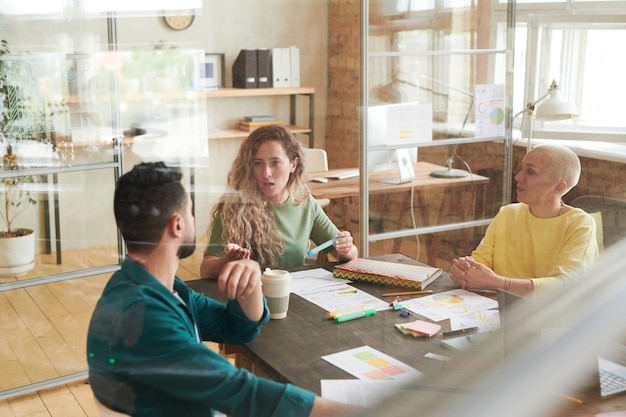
423, 327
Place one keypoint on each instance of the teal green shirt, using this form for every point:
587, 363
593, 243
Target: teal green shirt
295, 224
146, 356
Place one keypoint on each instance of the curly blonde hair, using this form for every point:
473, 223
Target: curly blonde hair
247, 218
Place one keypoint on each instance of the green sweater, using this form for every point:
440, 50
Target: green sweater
146, 358
296, 225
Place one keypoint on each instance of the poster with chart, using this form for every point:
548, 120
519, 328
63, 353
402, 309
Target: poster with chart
489, 110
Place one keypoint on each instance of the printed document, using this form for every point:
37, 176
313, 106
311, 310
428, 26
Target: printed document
358, 392
449, 304
313, 278
368, 363
341, 297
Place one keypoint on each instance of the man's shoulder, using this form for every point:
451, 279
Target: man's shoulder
124, 290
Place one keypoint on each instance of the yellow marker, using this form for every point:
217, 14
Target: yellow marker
336, 313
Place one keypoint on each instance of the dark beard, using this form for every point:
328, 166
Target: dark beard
186, 250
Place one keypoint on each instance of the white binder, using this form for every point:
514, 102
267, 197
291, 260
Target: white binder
281, 68
294, 58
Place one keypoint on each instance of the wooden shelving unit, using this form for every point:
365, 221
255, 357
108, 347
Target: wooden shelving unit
236, 133
252, 92
291, 92
229, 133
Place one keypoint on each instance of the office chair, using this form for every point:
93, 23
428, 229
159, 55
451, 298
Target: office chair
608, 214
316, 160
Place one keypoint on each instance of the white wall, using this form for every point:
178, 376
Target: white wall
227, 27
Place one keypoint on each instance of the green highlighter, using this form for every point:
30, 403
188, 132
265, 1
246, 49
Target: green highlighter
355, 315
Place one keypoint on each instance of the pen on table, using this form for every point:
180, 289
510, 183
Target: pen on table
322, 246
394, 294
460, 331
569, 397
348, 292
355, 315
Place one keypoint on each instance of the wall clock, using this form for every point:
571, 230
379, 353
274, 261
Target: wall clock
178, 21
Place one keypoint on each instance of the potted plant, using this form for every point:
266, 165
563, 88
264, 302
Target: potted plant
17, 245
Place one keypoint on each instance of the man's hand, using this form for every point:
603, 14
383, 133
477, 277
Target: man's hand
239, 278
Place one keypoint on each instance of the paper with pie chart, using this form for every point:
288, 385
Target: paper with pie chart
489, 110
448, 304
485, 320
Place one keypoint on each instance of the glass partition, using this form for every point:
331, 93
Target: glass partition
43, 330
436, 90
69, 122
77, 109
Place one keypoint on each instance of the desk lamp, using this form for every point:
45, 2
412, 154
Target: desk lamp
555, 107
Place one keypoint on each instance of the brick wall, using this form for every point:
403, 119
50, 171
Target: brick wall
344, 83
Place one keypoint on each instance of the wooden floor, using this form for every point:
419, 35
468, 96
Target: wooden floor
43, 331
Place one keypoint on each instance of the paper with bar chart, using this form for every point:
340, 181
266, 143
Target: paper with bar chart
368, 363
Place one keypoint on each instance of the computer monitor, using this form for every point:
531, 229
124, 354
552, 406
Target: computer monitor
384, 156
406, 172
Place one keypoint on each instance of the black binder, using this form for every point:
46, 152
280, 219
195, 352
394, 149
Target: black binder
264, 68
245, 69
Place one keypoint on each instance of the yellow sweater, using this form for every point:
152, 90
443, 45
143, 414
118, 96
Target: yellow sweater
548, 251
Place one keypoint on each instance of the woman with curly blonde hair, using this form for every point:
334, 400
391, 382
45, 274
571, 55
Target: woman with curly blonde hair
268, 214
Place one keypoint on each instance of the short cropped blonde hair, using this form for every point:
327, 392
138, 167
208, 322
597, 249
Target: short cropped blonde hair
565, 164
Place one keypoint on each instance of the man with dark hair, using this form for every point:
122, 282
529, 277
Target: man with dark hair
144, 345
144, 202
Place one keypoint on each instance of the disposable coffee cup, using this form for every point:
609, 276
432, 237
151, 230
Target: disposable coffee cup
276, 288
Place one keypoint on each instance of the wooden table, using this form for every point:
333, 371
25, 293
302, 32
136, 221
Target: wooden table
341, 192
290, 349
